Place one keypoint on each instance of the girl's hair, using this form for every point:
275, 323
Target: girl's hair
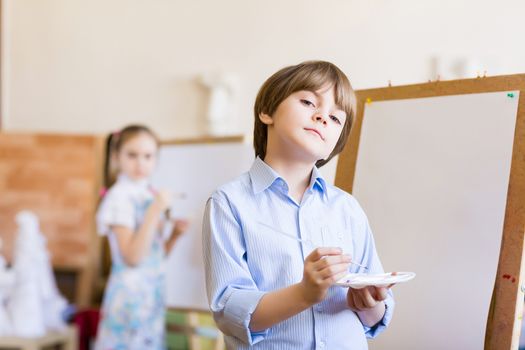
310, 76
114, 143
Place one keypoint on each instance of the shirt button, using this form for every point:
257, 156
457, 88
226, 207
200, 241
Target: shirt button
321, 344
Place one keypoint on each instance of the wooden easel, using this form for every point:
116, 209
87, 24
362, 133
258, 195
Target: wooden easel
504, 320
66, 339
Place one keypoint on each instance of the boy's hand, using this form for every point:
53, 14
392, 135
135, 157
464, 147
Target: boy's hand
322, 268
367, 297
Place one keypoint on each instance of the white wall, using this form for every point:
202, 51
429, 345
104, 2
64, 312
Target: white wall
93, 66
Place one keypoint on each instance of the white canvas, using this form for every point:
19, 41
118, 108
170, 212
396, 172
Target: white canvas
432, 175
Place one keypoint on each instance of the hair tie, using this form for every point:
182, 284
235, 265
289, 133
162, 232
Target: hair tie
114, 139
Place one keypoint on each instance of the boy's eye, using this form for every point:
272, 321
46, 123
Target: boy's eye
307, 103
335, 119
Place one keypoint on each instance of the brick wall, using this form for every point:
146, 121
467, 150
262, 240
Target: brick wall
57, 177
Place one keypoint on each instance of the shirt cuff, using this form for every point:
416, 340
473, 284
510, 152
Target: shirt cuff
372, 332
238, 311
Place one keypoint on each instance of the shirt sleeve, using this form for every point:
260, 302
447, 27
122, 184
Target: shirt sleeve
116, 209
371, 259
232, 292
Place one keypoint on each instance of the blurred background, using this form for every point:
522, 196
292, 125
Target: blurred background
73, 71
92, 66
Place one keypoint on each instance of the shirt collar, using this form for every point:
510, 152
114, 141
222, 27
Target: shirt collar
317, 181
143, 183
263, 176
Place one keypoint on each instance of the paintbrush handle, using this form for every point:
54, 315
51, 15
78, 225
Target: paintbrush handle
306, 241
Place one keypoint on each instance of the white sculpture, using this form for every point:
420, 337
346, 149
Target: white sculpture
222, 103
6, 283
35, 305
443, 67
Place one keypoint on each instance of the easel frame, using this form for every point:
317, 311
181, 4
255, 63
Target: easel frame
504, 319
204, 140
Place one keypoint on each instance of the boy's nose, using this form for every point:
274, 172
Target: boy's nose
319, 117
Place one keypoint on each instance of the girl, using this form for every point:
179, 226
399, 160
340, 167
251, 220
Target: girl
131, 215
270, 290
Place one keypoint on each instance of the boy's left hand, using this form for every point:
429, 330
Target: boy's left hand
366, 298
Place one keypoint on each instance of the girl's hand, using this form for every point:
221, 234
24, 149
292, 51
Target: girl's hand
163, 200
322, 268
367, 297
180, 226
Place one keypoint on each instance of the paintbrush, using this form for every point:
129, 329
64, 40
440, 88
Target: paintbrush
305, 241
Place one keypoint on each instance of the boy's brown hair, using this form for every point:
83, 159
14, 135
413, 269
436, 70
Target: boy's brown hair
310, 76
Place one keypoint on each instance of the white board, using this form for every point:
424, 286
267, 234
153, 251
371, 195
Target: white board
196, 170
432, 176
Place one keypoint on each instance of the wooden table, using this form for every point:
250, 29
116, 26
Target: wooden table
66, 339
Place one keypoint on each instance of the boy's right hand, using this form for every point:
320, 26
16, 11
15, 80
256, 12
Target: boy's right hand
322, 268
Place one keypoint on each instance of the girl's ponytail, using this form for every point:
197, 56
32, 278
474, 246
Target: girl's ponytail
110, 169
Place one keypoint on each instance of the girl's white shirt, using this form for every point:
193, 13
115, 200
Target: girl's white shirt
124, 204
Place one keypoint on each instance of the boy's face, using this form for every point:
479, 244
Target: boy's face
306, 125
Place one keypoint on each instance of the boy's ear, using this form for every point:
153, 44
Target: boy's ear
265, 118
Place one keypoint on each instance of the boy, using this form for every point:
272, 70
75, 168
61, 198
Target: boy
269, 290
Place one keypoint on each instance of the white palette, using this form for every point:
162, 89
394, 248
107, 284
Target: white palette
361, 280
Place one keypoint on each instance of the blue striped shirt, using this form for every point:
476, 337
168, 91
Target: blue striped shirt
244, 259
